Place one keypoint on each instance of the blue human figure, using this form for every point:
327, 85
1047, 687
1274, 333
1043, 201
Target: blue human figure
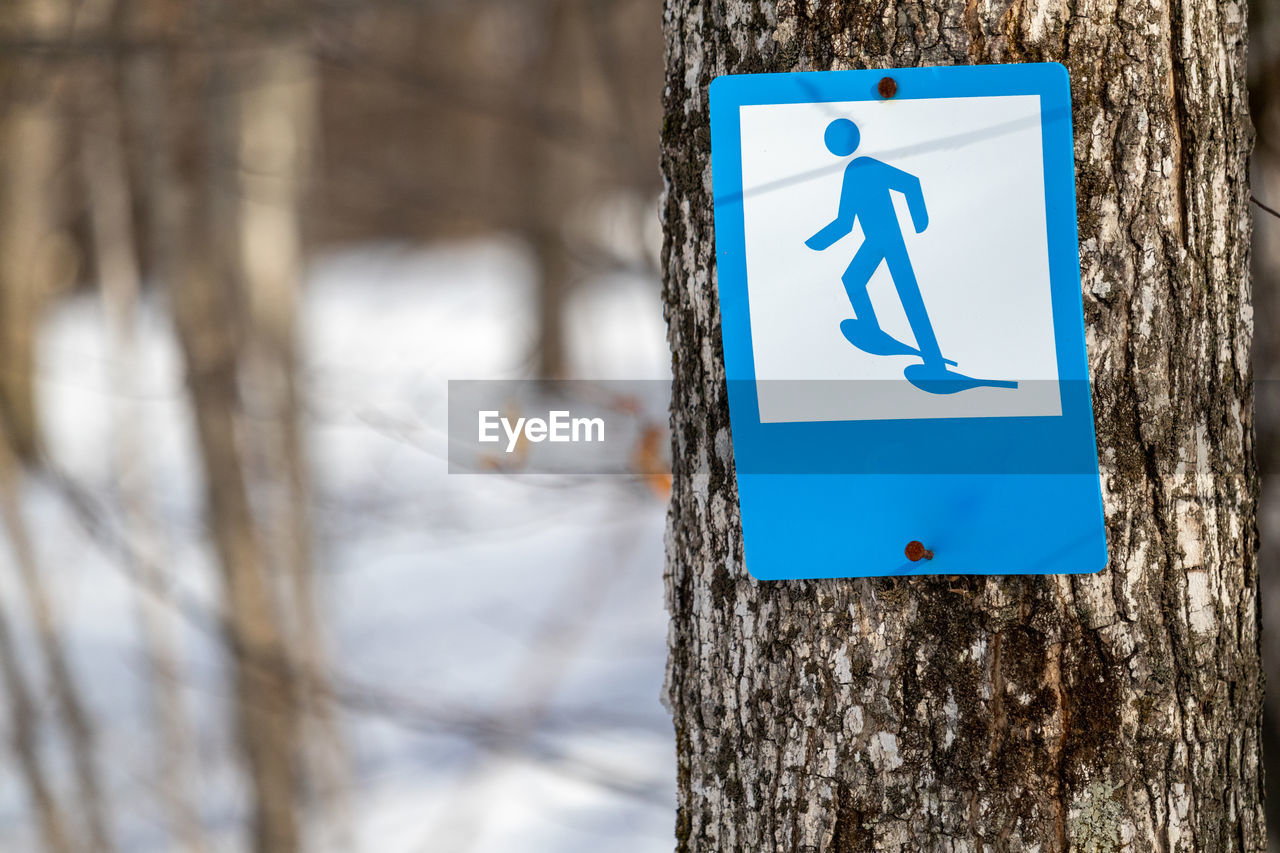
866, 197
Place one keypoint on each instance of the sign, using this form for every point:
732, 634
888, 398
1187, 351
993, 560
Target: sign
902, 322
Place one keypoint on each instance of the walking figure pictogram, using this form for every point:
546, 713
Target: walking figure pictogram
865, 197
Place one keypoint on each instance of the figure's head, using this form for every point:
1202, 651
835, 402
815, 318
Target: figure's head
841, 137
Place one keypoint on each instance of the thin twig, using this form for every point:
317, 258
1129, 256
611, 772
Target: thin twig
1268, 208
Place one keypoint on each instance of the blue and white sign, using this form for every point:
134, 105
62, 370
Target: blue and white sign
902, 322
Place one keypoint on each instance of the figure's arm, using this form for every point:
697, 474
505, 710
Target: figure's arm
909, 186
830, 234
839, 227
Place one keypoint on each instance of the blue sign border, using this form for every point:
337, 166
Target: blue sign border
842, 498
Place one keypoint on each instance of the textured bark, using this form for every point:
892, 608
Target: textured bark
1097, 712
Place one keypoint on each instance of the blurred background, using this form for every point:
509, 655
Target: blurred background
243, 247
243, 605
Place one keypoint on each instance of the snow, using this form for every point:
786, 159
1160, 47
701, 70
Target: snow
500, 639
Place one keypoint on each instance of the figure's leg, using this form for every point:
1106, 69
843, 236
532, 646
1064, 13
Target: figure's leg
856, 279
904, 279
864, 331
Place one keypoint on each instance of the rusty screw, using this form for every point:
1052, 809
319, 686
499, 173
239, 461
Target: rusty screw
888, 87
917, 552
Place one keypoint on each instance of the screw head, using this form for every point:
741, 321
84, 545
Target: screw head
916, 551
888, 87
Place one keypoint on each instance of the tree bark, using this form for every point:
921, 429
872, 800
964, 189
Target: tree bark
1093, 712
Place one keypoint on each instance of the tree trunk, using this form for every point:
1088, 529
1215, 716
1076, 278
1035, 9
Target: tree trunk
33, 247
109, 202
276, 100
193, 235
1093, 712
545, 193
77, 726
25, 728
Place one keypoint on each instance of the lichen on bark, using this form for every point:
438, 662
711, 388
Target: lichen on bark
1116, 711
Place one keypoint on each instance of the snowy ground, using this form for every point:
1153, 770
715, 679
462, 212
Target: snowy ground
501, 638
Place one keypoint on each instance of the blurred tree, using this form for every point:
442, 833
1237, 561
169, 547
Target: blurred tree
191, 193
33, 247
548, 190
174, 143
275, 113
23, 709
889, 714
511, 117
113, 249
34, 250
